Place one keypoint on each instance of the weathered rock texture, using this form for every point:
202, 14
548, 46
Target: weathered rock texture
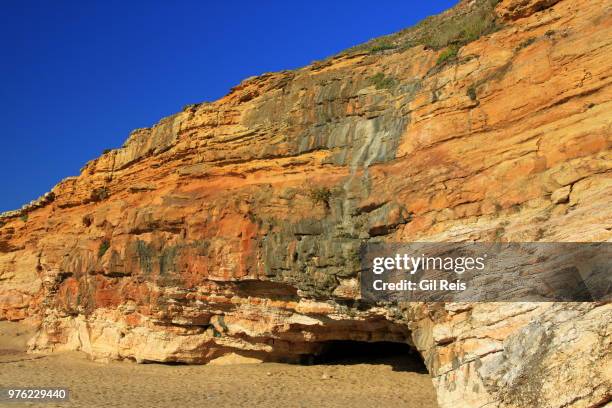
233, 226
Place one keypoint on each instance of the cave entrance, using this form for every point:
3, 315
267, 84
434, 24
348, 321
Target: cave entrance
400, 356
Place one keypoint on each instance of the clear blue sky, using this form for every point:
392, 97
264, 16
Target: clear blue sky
77, 76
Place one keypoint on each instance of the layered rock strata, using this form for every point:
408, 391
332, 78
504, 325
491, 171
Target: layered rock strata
234, 226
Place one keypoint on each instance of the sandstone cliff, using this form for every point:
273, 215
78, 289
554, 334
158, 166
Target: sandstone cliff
234, 226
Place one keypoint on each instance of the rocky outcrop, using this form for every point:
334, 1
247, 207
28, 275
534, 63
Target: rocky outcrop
234, 226
512, 10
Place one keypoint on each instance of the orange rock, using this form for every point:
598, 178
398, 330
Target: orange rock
235, 225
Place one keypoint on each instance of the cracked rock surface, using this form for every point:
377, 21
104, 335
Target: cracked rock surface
234, 226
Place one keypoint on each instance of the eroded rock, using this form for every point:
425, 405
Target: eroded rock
232, 228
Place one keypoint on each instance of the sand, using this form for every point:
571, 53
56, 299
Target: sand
127, 384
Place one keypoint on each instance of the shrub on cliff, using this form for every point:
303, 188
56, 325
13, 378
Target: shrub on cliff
104, 246
448, 55
471, 92
320, 195
380, 81
382, 46
525, 43
459, 27
463, 29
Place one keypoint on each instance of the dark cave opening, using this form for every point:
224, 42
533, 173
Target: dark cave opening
400, 356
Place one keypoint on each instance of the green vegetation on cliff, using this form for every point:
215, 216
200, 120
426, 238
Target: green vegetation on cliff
456, 27
104, 246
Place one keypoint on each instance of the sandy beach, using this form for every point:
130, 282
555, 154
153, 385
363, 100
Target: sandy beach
127, 384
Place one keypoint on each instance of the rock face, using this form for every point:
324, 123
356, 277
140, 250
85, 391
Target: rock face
232, 227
